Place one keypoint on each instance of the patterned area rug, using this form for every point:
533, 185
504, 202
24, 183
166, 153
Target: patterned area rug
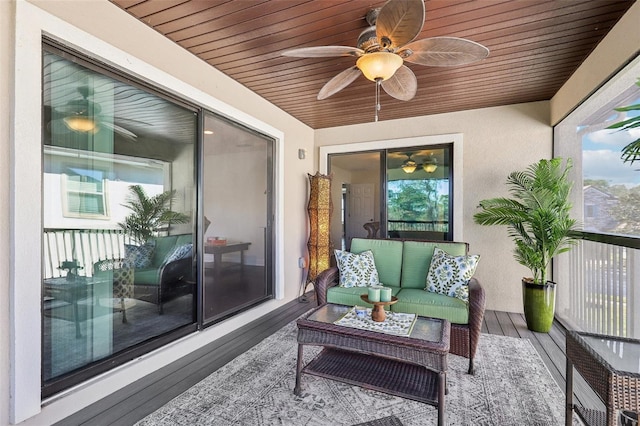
512, 386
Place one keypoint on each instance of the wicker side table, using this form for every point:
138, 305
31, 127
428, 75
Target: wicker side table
611, 366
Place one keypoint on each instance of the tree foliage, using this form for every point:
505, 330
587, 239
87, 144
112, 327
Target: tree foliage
630, 152
417, 200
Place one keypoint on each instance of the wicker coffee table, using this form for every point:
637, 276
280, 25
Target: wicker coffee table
611, 366
413, 367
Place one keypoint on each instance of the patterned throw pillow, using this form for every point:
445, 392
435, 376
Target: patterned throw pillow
179, 252
450, 275
357, 270
139, 256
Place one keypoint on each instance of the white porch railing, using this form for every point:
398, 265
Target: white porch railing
596, 289
85, 246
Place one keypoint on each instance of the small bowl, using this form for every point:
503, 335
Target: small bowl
361, 311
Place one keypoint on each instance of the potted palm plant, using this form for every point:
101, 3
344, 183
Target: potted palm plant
538, 220
149, 214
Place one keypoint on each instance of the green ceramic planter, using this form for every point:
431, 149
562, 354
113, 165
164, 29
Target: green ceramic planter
539, 305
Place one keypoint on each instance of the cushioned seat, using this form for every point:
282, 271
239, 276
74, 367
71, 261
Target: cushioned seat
428, 304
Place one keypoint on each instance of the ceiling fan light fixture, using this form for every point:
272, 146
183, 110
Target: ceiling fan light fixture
409, 166
81, 123
430, 165
379, 65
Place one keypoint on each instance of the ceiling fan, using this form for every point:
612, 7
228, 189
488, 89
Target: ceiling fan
383, 47
85, 116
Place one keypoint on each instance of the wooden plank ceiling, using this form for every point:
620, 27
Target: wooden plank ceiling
534, 45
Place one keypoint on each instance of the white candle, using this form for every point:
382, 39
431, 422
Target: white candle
385, 294
373, 294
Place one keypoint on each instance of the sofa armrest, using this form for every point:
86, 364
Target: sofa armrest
325, 279
174, 272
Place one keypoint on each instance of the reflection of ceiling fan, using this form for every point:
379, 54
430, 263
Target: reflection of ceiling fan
429, 165
84, 116
386, 44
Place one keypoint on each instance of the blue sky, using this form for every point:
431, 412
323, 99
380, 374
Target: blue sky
601, 151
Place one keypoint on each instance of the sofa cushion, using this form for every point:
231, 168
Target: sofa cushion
416, 259
351, 296
450, 275
387, 255
140, 256
356, 270
179, 252
434, 305
164, 245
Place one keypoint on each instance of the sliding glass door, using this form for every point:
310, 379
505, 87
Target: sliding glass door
237, 188
419, 193
393, 193
118, 213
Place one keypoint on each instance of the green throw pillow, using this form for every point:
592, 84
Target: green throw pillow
450, 275
356, 270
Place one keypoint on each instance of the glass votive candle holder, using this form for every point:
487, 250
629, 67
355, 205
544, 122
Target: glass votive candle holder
385, 294
373, 294
361, 311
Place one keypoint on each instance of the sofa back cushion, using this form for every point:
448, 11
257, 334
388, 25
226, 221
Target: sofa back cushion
164, 246
387, 255
416, 259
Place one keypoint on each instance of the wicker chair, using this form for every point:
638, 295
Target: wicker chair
464, 337
372, 229
122, 280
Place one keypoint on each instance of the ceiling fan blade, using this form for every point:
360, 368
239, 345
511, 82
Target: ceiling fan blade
339, 82
444, 51
323, 52
126, 134
399, 22
403, 85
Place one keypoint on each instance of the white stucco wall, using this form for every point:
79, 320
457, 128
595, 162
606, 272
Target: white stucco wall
496, 141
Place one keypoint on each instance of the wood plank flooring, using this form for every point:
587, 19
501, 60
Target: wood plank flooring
134, 402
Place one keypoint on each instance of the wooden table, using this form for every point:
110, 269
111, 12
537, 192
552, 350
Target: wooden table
376, 360
219, 250
611, 366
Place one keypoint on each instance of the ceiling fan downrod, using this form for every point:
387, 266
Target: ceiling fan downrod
378, 84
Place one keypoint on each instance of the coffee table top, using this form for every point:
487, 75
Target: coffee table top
425, 330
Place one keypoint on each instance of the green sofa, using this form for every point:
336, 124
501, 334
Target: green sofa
162, 281
403, 265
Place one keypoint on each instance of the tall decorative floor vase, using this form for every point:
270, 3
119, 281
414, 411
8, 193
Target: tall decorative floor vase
539, 305
319, 210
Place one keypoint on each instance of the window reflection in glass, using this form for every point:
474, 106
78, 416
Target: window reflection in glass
116, 159
418, 193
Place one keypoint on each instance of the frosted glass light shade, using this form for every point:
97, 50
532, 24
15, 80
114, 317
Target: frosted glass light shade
81, 123
379, 65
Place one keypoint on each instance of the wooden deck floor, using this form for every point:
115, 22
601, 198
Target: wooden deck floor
134, 402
